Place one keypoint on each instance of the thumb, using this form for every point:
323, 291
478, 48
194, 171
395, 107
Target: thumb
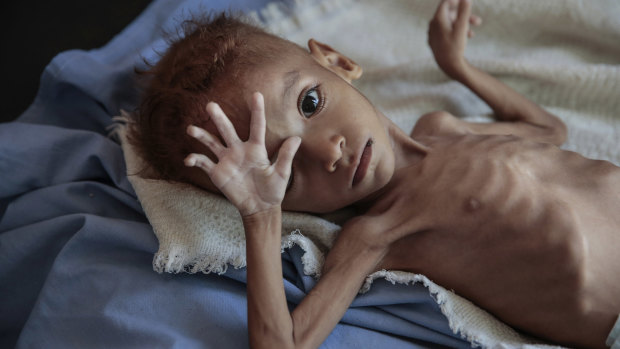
285, 156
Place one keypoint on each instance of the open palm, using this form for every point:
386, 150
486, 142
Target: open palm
243, 172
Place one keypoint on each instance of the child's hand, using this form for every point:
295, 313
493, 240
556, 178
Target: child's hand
243, 172
448, 33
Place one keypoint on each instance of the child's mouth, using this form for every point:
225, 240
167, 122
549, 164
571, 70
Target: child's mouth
362, 167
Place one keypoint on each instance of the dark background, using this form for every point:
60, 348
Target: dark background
33, 32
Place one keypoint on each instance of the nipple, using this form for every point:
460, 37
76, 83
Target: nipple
472, 204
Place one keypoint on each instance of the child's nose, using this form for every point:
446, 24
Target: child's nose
332, 152
327, 151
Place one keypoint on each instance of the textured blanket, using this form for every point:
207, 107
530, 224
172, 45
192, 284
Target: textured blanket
564, 55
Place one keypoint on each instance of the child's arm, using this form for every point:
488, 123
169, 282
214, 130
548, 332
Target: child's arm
270, 324
256, 187
448, 32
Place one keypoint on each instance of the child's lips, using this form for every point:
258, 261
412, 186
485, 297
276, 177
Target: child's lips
362, 167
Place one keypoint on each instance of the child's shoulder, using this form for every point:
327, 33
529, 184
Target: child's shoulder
437, 123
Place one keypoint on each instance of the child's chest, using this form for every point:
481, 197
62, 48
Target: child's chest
484, 184
482, 205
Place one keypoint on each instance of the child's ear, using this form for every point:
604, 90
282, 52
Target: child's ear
335, 61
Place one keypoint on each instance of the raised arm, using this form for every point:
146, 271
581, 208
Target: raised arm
256, 187
448, 34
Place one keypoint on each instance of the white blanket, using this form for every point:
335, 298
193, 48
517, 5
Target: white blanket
564, 55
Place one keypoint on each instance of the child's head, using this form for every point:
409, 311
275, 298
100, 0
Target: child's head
307, 94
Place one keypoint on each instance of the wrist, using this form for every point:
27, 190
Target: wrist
259, 212
458, 70
266, 221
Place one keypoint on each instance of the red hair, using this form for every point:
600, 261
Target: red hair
206, 64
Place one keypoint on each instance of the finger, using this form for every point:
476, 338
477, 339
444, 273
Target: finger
206, 138
442, 15
223, 124
470, 33
439, 9
452, 15
200, 161
258, 124
464, 12
285, 156
475, 20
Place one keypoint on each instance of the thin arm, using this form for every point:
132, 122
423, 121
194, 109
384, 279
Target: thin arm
270, 323
509, 105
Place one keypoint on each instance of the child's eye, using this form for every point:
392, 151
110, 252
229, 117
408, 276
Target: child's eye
310, 102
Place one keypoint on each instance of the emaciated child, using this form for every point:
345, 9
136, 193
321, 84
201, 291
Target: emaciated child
495, 211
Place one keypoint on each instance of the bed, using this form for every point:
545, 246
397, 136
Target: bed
77, 250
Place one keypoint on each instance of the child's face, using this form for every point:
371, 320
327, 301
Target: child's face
345, 153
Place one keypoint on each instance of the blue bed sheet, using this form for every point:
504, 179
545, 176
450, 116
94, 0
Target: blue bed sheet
76, 248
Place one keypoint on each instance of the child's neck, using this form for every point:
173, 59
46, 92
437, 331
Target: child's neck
407, 152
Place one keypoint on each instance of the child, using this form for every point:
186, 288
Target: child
495, 211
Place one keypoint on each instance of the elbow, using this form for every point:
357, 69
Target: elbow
550, 129
265, 334
275, 342
269, 341
562, 134
270, 337
558, 132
